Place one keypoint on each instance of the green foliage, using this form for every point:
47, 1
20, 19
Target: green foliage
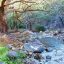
50, 9
22, 55
40, 28
4, 58
3, 51
13, 22
21, 25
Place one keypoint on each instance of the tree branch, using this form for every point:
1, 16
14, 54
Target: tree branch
2, 3
19, 1
2, 6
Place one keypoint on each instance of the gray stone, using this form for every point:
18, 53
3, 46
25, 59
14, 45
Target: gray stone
51, 42
9, 46
32, 45
31, 61
48, 58
39, 50
12, 54
49, 49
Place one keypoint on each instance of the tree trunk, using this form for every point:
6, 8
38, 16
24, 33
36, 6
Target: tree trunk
30, 26
3, 24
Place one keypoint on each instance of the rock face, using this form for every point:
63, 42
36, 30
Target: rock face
33, 45
51, 42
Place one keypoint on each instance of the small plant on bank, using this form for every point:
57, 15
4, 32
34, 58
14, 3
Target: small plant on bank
5, 59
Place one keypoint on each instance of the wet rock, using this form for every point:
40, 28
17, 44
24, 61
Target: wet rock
9, 46
37, 56
32, 45
51, 42
29, 54
55, 34
31, 61
12, 54
48, 58
39, 50
49, 49
28, 47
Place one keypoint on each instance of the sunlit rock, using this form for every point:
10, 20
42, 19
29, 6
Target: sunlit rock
51, 42
33, 45
39, 50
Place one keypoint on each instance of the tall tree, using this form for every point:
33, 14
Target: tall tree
3, 24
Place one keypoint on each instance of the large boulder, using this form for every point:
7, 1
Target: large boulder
51, 42
33, 45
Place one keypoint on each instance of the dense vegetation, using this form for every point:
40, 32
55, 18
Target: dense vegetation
43, 13
26, 14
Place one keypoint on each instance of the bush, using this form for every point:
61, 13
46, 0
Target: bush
12, 22
5, 59
21, 26
40, 28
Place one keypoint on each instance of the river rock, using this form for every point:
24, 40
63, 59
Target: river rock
37, 56
49, 49
48, 58
51, 42
12, 54
9, 46
32, 45
31, 61
39, 50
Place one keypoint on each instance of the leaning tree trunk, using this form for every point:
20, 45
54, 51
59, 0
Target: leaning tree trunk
3, 25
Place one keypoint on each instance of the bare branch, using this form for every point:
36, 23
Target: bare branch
31, 10
19, 1
2, 3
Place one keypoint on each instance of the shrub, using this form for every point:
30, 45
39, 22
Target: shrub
5, 59
21, 25
40, 28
